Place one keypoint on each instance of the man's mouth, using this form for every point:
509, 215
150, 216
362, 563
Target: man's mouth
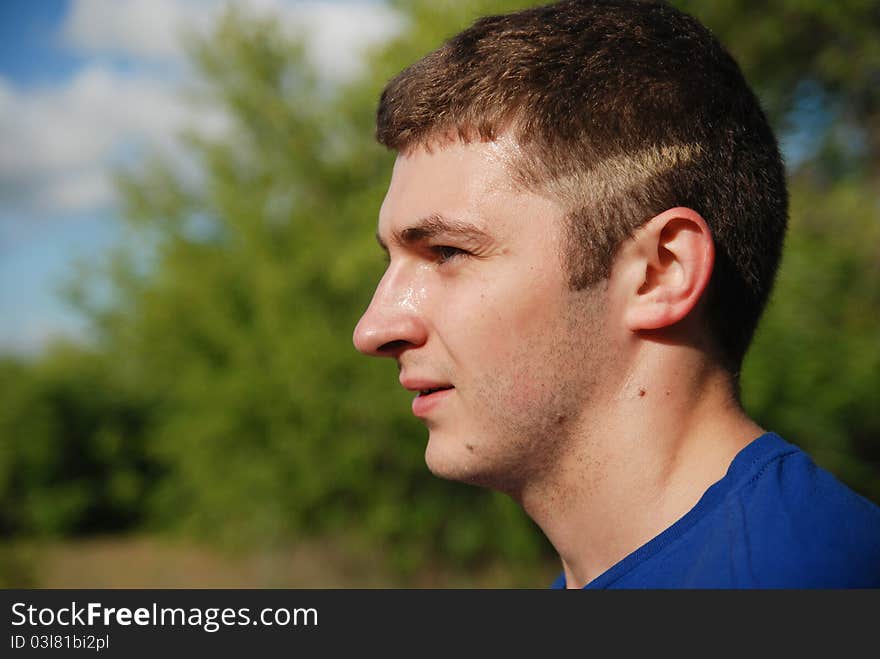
428, 392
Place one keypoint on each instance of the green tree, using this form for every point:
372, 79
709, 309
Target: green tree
73, 457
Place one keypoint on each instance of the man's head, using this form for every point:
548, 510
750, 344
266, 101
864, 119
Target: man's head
555, 168
622, 109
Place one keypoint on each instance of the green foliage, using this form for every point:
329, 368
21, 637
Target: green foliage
73, 456
224, 397
814, 370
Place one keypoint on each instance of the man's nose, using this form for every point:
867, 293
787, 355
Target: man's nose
393, 322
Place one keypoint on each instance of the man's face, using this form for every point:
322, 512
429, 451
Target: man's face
500, 354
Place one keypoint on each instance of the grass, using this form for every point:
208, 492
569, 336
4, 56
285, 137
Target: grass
161, 562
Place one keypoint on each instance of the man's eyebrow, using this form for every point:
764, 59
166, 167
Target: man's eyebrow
435, 225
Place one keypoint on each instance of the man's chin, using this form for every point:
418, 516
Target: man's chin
459, 461
450, 459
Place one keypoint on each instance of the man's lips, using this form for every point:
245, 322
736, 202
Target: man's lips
428, 399
429, 393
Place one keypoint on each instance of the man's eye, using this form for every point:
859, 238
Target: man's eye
445, 253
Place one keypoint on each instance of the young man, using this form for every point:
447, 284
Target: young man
583, 223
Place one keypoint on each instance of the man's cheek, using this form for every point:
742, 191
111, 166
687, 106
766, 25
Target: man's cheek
522, 387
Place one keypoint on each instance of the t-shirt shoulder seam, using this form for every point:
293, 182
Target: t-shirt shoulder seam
760, 472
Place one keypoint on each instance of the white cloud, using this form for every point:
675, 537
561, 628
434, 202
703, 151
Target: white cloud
72, 125
335, 32
60, 142
142, 28
87, 189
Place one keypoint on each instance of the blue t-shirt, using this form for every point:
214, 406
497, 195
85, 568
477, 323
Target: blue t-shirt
775, 520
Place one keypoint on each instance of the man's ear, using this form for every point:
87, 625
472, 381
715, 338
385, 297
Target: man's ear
664, 268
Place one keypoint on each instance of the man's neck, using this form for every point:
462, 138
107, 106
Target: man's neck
640, 464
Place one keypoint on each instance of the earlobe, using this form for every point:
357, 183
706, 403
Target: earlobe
668, 266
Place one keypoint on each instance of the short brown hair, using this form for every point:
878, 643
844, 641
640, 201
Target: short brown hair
623, 109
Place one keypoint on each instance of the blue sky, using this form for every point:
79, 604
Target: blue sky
29, 53
86, 85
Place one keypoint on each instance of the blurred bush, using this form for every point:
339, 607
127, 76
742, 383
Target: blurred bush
74, 456
222, 396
